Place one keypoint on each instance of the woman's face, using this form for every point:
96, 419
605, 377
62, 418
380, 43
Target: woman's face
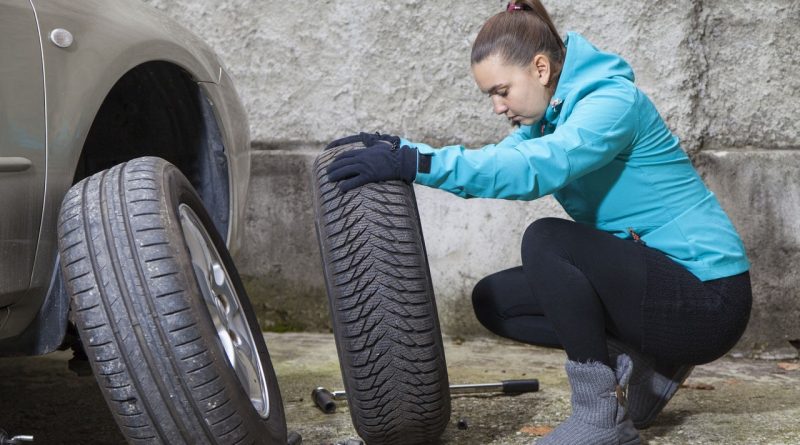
517, 92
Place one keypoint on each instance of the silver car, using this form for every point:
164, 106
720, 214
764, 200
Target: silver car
134, 124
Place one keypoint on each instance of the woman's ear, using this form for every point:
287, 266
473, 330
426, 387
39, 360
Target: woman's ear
540, 68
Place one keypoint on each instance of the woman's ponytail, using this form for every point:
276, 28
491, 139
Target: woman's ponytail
537, 8
519, 34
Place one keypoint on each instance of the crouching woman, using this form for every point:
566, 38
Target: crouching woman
649, 279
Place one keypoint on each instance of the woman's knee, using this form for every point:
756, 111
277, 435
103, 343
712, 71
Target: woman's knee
544, 237
483, 302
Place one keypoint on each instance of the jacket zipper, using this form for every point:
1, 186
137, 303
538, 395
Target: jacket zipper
636, 237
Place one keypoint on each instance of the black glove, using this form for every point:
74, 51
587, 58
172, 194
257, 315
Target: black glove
368, 139
376, 163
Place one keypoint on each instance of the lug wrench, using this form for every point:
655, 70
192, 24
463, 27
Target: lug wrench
326, 399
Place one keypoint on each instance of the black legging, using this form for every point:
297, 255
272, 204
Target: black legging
578, 284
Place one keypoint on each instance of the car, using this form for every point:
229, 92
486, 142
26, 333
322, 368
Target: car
124, 165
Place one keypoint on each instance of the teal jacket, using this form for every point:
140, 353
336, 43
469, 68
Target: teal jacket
603, 151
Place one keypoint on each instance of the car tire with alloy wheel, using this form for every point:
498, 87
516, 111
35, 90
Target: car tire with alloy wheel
171, 336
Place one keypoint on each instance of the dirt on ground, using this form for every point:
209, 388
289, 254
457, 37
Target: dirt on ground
730, 401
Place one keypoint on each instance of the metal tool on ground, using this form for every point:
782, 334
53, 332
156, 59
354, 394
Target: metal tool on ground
294, 438
505, 387
5, 439
326, 399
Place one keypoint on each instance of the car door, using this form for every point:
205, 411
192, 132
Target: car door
22, 147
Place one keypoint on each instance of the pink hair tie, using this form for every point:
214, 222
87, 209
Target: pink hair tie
513, 7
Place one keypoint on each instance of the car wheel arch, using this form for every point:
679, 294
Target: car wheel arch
155, 109
158, 109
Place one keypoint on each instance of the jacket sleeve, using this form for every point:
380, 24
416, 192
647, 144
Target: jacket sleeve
601, 125
515, 137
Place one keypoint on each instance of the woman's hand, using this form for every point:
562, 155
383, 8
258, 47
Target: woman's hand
381, 161
368, 139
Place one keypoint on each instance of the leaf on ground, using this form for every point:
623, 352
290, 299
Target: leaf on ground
789, 366
536, 430
700, 386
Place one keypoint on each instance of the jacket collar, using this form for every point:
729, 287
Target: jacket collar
584, 64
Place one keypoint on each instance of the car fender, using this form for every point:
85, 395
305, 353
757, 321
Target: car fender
111, 37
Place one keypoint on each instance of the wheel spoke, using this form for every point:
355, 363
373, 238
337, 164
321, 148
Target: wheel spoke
227, 314
245, 366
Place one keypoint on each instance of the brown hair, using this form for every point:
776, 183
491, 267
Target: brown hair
519, 35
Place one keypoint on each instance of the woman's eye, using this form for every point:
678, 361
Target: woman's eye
502, 93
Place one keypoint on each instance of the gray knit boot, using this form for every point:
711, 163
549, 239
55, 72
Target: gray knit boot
598, 406
648, 390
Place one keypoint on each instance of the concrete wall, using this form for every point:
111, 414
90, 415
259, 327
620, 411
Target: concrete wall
723, 74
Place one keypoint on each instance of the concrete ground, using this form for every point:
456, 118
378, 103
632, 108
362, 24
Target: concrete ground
731, 401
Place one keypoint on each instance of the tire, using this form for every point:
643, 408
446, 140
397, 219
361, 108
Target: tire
382, 308
162, 313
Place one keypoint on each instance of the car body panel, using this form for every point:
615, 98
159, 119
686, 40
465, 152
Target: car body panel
22, 147
112, 37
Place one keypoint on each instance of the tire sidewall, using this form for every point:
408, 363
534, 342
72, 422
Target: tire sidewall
179, 191
358, 415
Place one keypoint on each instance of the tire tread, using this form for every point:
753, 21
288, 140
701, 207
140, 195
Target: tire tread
383, 310
127, 308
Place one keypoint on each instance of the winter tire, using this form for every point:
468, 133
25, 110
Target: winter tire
382, 308
162, 313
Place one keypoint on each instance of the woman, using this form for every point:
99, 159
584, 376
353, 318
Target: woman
650, 278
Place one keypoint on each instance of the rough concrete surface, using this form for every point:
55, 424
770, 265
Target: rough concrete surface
310, 74
279, 261
303, 71
723, 74
751, 85
730, 401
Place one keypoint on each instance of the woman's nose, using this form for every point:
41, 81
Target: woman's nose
499, 105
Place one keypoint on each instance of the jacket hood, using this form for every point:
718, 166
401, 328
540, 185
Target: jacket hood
584, 65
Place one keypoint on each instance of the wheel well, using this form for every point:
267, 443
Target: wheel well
156, 109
